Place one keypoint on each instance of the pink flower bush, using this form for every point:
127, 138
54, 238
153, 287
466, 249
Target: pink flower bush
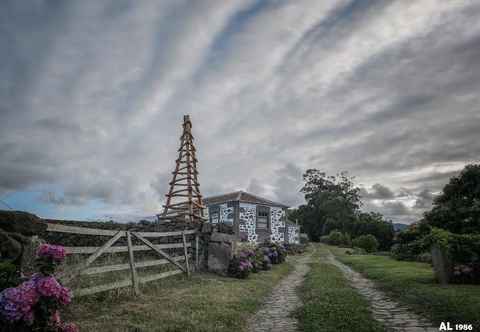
35, 302
17, 303
56, 253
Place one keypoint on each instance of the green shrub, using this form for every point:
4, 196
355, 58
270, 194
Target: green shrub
324, 239
356, 251
425, 257
295, 249
347, 240
367, 242
335, 238
8, 275
407, 251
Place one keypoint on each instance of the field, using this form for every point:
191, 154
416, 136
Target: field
413, 284
205, 302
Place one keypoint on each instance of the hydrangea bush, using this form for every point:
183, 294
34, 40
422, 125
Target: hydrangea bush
254, 259
34, 304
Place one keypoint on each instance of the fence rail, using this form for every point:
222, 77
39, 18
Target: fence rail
134, 280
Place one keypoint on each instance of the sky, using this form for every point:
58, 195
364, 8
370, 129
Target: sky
93, 92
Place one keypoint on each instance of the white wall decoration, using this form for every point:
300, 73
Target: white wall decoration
277, 224
206, 214
226, 214
293, 235
248, 216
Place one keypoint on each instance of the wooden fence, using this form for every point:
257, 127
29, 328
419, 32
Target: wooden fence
134, 280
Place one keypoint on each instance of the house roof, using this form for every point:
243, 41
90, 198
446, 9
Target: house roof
241, 196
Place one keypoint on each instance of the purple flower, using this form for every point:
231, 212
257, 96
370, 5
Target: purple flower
49, 287
16, 303
57, 253
65, 296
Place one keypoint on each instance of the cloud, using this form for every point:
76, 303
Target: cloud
377, 191
396, 209
92, 95
424, 200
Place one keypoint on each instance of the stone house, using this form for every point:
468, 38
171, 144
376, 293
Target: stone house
252, 218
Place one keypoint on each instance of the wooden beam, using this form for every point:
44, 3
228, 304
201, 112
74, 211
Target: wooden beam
122, 267
160, 276
79, 230
118, 249
102, 288
187, 266
131, 261
159, 251
103, 248
197, 267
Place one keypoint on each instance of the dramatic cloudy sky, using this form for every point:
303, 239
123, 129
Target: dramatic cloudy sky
92, 95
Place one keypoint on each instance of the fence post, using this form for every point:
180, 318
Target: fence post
136, 289
197, 242
187, 266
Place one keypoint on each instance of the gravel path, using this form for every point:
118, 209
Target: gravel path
275, 314
388, 312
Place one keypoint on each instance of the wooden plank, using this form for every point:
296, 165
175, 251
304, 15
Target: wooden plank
121, 267
118, 249
159, 251
131, 262
80, 230
102, 249
102, 288
160, 276
187, 266
197, 242
164, 234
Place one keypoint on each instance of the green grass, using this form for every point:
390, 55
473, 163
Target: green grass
205, 302
413, 284
330, 304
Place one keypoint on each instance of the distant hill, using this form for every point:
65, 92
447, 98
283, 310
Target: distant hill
399, 227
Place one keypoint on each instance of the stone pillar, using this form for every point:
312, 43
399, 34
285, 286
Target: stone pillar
221, 249
441, 265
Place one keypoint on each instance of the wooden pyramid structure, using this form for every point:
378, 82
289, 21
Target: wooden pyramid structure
184, 201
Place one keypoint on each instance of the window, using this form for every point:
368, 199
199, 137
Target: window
262, 217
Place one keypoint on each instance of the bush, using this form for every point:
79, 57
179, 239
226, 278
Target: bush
367, 242
463, 250
239, 267
8, 275
356, 251
425, 257
34, 305
295, 249
409, 243
275, 252
335, 238
325, 239
407, 251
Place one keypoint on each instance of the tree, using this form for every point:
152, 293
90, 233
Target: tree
457, 208
332, 203
374, 223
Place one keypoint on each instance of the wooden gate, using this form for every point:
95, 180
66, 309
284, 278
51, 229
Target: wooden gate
181, 262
